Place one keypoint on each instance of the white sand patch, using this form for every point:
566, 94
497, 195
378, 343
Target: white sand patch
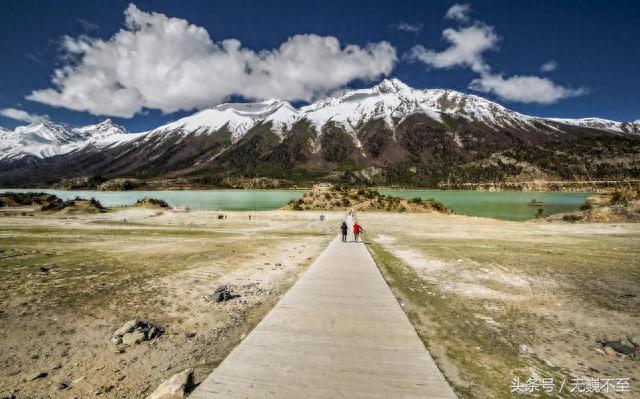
488, 320
417, 261
385, 240
481, 292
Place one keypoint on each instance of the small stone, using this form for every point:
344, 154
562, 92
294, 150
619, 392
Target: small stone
133, 338
126, 328
62, 385
191, 334
609, 351
116, 340
37, 376
175, 387
118, 350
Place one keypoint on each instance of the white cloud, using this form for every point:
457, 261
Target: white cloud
466, 48
459, 12
166, 63
24, 116
88, 26
407, 27
526, 89
549, 66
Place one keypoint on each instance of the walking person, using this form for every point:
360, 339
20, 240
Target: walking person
344, 228
357, 229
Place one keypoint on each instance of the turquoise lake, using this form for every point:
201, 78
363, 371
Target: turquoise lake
500, 205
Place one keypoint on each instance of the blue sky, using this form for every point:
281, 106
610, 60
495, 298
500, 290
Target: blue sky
287, 49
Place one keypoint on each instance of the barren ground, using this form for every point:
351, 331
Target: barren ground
68, 282
496, 300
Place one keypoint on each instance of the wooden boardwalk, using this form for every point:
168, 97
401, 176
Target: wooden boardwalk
337, 333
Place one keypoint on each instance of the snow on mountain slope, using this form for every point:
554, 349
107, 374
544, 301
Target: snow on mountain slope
392, 99
48, 139
601, 124
238, 118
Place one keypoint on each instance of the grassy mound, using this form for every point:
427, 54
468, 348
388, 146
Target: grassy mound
615, 207
336, 197
148, 202
75, 206
27, 199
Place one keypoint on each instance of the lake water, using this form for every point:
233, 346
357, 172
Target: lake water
507, 205
499, 205
231, 200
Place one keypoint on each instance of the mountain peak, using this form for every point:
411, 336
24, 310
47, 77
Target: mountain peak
392, 85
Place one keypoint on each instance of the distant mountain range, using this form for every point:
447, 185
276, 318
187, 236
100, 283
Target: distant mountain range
387, 134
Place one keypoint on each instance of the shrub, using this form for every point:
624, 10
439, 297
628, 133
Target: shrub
572, 218
437, 205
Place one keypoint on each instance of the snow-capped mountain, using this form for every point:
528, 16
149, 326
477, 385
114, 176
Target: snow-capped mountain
407, 134
47, 139
238, 118
602, 124
391, 100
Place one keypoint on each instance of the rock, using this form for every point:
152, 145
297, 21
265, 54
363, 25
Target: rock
136, 331
175, 387
617, 346
126, 328
118, 350
222, 294
62, 385
190, 334
634, 339
37, 376
133, 338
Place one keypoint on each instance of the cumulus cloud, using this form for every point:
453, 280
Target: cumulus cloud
23, 116
466, 46
549, 66
164, 63
407, 27
526, 89
458, 12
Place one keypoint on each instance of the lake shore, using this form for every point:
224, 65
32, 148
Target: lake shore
501, 205
577, 186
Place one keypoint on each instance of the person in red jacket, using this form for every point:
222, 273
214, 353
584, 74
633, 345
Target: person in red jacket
357, 229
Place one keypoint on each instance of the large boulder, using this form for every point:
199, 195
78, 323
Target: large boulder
176, 387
